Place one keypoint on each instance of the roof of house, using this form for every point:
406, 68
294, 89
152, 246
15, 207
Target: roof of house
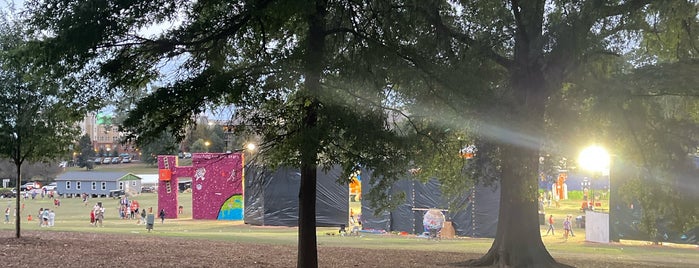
96, 176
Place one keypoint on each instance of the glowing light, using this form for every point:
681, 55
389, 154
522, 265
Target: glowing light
594, 158
250, 146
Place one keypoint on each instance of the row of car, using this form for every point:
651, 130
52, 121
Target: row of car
36, 185
112, 160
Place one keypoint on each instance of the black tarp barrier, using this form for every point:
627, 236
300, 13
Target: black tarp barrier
477, 217
271, 197
625, 218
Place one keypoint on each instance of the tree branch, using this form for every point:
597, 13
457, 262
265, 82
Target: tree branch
435, 18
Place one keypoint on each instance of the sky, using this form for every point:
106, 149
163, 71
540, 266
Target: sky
168, 69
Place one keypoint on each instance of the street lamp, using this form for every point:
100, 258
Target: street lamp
596, 160
250, 146
206, 144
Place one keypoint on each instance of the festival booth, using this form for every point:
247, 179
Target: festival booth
272, 197
477, 217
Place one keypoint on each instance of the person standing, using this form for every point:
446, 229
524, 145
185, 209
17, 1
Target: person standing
52, 217
143, 216
162, 215
150, 220
99, 214
7, 215
566, 228
551, 229
38, 217
45, 218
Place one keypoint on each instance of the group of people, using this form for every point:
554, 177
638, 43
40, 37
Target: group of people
567, 227
128, 209
546, 199
42, 192
46, 217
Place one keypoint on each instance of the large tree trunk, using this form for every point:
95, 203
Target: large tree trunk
307, 244
518, 239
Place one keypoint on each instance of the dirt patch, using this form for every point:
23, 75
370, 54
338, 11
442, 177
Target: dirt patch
64, 249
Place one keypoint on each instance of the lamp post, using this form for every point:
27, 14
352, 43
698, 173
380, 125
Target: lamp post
594, 159
206, 144
586, 188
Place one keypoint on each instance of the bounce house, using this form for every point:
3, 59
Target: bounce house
217, 185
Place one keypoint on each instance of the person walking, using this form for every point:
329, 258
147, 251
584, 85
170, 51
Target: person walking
566, 228
551, 229
162, 215
571, 226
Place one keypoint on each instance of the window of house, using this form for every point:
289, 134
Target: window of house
121, 185
104, 185
133, 183
94, 185
77, 185
67, 184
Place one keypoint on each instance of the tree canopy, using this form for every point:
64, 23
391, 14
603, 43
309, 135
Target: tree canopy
389, 85
37, 122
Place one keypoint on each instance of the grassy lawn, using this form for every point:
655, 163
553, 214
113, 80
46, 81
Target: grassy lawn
73, 216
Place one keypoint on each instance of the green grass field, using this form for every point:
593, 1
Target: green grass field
73, 216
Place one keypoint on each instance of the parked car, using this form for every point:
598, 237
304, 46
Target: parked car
107, 160
29, 186
98, 160
126, 160
7, 193
50, 187
116, 193
147, 189
116, 160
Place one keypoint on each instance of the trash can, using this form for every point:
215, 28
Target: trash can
542, 219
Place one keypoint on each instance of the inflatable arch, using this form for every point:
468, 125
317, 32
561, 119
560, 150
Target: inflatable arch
217, 185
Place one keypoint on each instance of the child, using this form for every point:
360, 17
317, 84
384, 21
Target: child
7, 215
